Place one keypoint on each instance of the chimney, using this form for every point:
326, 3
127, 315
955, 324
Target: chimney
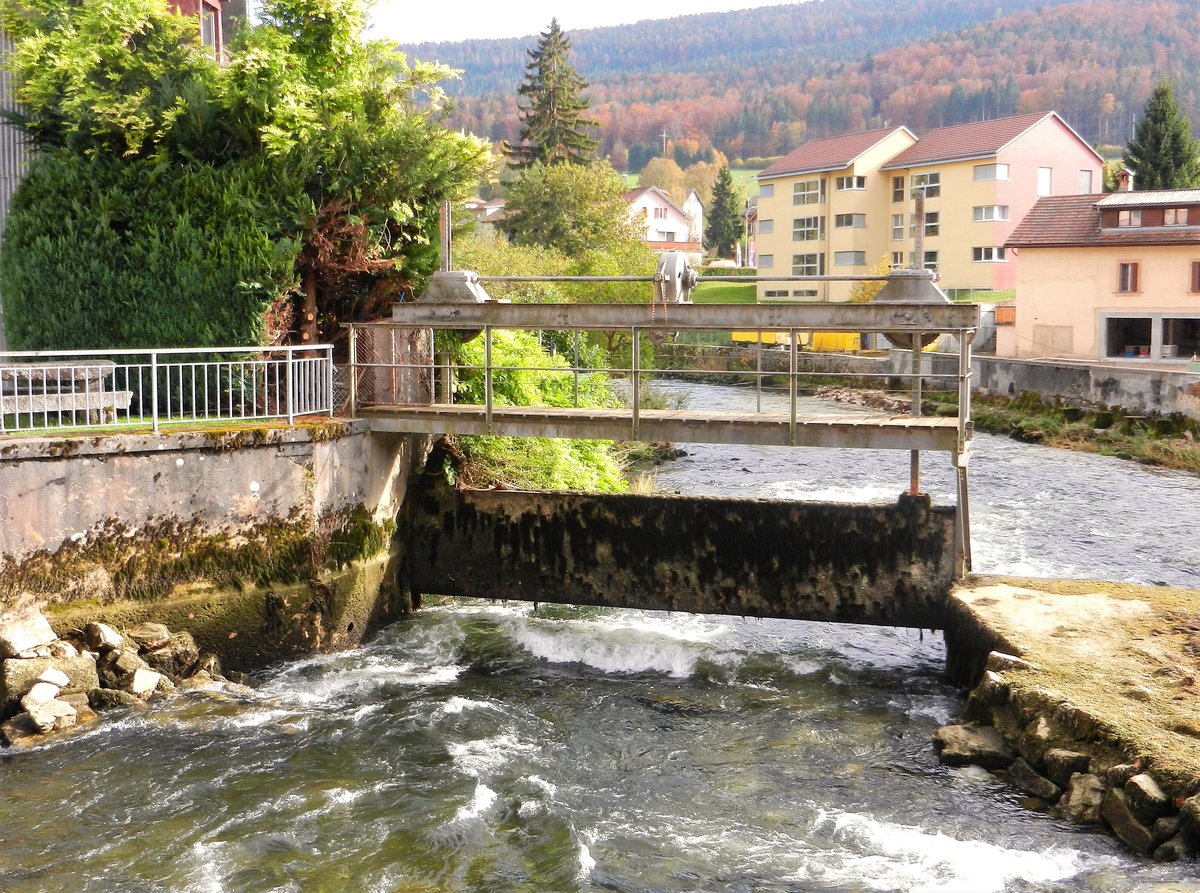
1125, 180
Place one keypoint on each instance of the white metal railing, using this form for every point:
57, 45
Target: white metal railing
75, 389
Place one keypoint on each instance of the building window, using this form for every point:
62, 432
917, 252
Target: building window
1085, 182
775, 293
1045, 184
991, 172
808, 192
845, 183
931, 224
857, 221
1129, 218
766, 190
985, 213
931, 260
1175, 217
988, 254
808, 265
766, 261
660, 213
849, 258
897, 262
897, 189
804, 293
931, 183
208, 28
766, 227
808, 229
1195, 283
1127, 277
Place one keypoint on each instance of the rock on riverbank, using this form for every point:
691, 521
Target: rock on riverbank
1087, 695
49, 685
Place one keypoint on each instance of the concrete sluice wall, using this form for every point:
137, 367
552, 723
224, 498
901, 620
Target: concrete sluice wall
884, 565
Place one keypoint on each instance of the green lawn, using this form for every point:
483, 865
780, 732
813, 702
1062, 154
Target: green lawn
727, 292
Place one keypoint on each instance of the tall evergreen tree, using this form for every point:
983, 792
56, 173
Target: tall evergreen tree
723, 223
551, 105
1162, 153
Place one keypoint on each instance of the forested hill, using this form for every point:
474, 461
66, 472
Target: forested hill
756, 83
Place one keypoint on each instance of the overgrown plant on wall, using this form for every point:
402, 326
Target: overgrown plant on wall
176, 201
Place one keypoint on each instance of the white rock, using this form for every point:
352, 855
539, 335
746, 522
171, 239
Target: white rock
62, 649
55, 676
23, 628
40, 694
102, 637
144, 683
52, 716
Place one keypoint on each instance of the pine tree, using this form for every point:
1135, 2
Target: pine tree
723, 226
1162, 153
552, 129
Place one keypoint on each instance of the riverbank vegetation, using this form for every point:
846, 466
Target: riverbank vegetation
1171, 441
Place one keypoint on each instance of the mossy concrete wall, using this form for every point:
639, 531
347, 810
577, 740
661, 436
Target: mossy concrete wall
265, 542
890, 565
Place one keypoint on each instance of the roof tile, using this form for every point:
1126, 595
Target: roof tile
828, 154
959, 141
1073, 221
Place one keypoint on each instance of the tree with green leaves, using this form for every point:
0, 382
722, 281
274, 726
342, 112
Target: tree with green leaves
307, 173
723, 222
571, 207
551, 107
1162, 153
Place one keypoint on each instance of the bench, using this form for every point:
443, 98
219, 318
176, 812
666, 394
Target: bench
28, 389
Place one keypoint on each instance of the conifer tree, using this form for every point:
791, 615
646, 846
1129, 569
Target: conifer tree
551, 105
723, 224
1162, 153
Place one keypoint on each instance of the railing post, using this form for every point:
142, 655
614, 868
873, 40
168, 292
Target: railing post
758, 373
291, 394
793, 385
575, 366
635, 366
914, 462
352, 384
487, 377
154, 388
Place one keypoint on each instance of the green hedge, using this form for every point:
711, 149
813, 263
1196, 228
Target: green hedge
112, 253
714, 272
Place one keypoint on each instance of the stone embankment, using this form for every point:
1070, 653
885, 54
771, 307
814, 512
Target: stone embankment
49, 685
1086, 695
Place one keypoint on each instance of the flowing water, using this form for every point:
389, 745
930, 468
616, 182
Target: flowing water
482, 747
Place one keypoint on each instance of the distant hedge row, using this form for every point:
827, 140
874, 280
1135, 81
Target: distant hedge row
105, 252
728, 271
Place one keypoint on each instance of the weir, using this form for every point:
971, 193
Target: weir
869, 564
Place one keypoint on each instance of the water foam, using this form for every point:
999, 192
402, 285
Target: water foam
486, 755
480, 803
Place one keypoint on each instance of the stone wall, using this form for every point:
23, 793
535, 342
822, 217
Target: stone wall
889, 565
230, 533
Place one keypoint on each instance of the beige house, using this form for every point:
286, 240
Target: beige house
1108, 277
856, 195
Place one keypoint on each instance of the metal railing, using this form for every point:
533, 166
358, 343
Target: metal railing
124, 389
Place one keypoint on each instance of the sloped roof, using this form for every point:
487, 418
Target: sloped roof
1073, 221
1151, 198
829, 154
633, 195
982, 139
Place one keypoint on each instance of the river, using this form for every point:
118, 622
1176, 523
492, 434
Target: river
489, 748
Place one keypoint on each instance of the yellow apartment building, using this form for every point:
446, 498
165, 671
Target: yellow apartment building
840, 205
1108, 278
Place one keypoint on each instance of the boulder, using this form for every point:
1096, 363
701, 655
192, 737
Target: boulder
177, 658
1081, 802
149, 635
208, 663
972, 744
20, 731
1146, 798
115, 668
1062, 764
60, 648
143, 682
1035, 741
111, 698
52, 716
993, 690
998, 662
1028, 780
1189, 818
1116, 776
40, 694
18, 676
1175, 849
55, 676
102, 637
23, 628
1116, 813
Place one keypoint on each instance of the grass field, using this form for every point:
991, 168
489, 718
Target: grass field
728, 292
743, 178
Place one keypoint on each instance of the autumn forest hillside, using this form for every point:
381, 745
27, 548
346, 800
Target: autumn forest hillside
756, 83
